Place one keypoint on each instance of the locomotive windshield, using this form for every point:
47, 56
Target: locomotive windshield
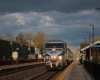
59, 45
48, 46
54, 45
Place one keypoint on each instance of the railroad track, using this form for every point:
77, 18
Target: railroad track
49, 75
46, 76
8, 71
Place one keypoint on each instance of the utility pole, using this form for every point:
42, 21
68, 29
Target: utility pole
89, 45
93, 36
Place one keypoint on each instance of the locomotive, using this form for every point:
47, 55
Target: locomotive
56, 54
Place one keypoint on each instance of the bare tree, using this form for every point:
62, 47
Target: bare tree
9, 37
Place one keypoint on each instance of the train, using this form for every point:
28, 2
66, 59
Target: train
57, 55
24, 51
70, 56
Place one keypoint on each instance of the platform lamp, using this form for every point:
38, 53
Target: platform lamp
93, 36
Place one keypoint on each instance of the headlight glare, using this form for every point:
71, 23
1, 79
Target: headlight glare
60, 57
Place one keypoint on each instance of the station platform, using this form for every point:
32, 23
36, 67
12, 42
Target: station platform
75, 71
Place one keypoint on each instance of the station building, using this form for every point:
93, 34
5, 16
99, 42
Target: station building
91, 52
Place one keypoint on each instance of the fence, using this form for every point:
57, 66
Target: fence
93, 68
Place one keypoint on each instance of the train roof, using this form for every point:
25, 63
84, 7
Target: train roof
55, 41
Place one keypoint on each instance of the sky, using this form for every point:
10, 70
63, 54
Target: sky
66, 20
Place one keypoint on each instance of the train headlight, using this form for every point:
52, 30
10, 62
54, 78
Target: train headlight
60, 57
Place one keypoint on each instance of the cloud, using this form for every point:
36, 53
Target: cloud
7, 23
46, 21
33, 13
64, 6
20, 22
53, 22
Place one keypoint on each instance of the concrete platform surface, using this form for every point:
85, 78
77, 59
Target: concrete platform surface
78, 72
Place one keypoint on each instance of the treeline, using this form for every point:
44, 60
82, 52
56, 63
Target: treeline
38, 40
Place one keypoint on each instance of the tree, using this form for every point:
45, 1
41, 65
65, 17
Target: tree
21, 39
29, 37
1, 37
9, 37
39, 40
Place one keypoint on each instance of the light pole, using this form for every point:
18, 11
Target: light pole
93, 36
89, 45
89, 36
86, 40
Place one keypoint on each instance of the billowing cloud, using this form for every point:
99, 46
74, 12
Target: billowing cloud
20, 22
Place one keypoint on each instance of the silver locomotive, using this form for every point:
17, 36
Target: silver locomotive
55, 54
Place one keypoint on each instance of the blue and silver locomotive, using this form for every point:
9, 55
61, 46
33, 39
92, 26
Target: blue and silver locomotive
55, 54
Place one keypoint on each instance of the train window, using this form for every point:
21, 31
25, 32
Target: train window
59, 45
48, 45
53, 45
